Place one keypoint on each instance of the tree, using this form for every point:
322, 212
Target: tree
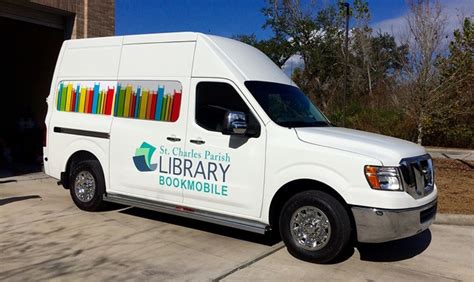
362, 45
415, 90
374, 56
323, 59
451, 122
388, 58
425, 34
315, 35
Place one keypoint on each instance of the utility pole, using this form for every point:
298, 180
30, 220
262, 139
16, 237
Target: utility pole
346, 63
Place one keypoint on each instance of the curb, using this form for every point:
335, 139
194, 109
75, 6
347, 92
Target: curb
451, 153
454, 219
449, 150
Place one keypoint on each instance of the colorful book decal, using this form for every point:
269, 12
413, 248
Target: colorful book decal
84, 98
157, 100
152, 100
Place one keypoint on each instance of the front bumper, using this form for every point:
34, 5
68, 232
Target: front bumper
381, 225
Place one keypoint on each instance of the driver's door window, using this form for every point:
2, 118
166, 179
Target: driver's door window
213, 99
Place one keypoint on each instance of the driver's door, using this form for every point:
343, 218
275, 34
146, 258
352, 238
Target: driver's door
227, 170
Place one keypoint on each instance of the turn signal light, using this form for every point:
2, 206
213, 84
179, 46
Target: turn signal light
383, 178
371, 175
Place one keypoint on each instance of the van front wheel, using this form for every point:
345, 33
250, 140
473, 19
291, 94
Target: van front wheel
87, 185
315, 226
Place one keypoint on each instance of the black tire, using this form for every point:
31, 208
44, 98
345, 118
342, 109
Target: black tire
93, 171
339, 231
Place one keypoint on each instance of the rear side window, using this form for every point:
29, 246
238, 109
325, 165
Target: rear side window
89, 97
213, 100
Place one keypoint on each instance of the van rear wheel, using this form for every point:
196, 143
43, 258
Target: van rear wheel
87, 185
315, 227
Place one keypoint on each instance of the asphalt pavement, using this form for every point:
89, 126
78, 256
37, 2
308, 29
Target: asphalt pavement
44, 236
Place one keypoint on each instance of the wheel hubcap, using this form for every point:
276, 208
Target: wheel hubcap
84, 186
310, 228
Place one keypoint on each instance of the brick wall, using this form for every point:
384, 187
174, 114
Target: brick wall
93, 18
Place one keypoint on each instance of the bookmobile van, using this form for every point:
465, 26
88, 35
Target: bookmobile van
209, 128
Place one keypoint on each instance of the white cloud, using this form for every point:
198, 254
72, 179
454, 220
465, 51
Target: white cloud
453, 10
394, 26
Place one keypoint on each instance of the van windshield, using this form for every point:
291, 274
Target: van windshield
286, 105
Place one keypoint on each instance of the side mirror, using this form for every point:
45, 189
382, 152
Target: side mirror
235, 123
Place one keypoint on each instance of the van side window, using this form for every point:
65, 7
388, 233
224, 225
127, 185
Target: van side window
213, 99
158, 100
151, 100
87, 97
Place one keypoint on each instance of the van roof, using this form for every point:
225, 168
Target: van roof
133, 39
215, 56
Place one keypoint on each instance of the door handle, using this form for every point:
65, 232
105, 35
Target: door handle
198, 142
173, 139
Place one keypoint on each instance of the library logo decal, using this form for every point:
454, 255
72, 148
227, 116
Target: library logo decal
197, 171
142, 158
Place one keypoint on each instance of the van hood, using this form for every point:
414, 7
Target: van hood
386, 149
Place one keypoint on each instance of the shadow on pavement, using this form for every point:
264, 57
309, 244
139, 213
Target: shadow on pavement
8, 181
17, 199
345, 255
395, 250
267, 239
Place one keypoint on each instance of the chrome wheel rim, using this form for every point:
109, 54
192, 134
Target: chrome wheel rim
84, 186
310, 228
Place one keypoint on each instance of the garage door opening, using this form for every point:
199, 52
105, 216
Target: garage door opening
28, 59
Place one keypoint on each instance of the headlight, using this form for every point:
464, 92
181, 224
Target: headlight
383, 178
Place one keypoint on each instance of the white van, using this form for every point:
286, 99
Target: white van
209, 128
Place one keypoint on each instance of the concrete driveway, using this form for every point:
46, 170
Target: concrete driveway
44, 236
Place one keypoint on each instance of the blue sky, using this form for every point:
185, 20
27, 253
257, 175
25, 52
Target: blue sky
230, 17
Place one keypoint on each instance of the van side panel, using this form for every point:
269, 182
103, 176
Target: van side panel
90, 62
173, 59
161, 71
84, 62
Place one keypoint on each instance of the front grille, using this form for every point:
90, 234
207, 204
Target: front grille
418, 175
428, 214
